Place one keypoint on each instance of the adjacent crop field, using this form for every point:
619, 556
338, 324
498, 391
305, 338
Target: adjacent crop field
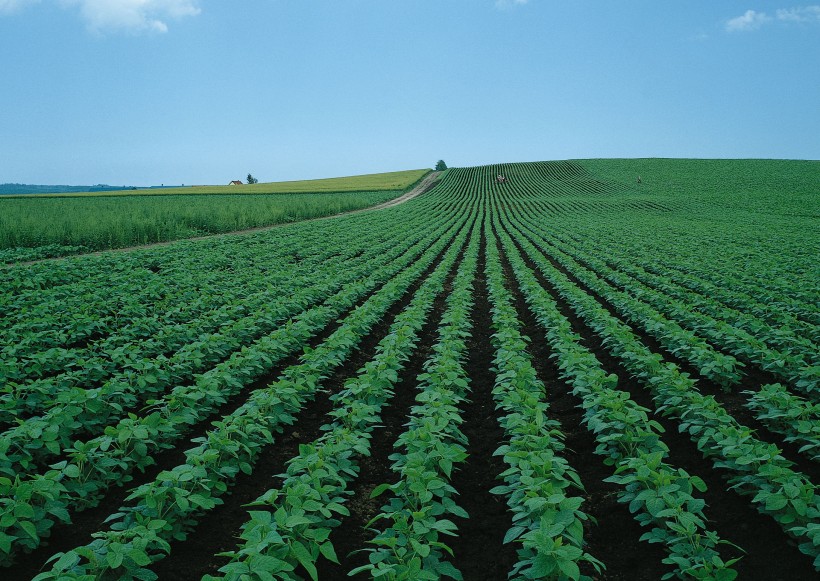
568, 375
42, 226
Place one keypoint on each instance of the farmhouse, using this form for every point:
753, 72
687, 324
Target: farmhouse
235, 183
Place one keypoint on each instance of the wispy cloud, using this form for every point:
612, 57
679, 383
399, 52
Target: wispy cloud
804, 14
753, 20
9, 6
133, 15
504, 4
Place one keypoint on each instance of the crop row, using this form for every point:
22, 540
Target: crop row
85, 411
755, 468
167, 507
774, 404
662, 497
95, 465
409, 531
547, 518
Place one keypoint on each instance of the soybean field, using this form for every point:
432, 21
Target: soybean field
593, 369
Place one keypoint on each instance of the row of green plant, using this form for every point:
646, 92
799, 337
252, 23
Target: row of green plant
754, 468
121, 292
785, 413
712, 364
166, 508
317, 481
660, 496
776, 337
540, 486
134, 356
791, 367
80, 412
83, 409
665, 281
67, 297
409, 532
769, 310
752, 219
95, 465
113, 315
778, 320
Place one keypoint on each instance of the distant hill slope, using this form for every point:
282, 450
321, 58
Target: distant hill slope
17, 189
396, 180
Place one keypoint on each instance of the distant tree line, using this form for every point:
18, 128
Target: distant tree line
59, 189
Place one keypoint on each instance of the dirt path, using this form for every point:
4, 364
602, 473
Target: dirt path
424, 185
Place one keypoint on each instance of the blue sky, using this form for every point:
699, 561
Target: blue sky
143, 92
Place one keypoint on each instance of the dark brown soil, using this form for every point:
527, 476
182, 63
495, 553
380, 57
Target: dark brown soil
489, 518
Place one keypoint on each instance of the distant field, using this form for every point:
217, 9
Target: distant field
396, 180
33, 227
770, 186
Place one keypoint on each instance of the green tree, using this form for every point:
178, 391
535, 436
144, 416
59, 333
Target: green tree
440, 165
252, 180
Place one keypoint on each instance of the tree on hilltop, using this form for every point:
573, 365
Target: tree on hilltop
440, 165
252, 180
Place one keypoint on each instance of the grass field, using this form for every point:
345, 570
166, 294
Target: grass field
34, 227
569, 375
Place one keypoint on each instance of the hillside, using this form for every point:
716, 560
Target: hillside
398, 180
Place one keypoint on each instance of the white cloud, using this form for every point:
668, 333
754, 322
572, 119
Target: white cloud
9, 6
802, 14
753, 20
133, 15
503, 4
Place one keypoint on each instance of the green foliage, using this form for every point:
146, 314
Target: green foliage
101, 223
108, 360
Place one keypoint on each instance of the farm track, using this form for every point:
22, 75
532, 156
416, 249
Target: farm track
768, 554
482, 245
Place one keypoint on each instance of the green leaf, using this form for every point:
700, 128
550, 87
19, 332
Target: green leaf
114, 559
303, 556
513, 534
776, 502
329, 552
29, 529
379, 490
